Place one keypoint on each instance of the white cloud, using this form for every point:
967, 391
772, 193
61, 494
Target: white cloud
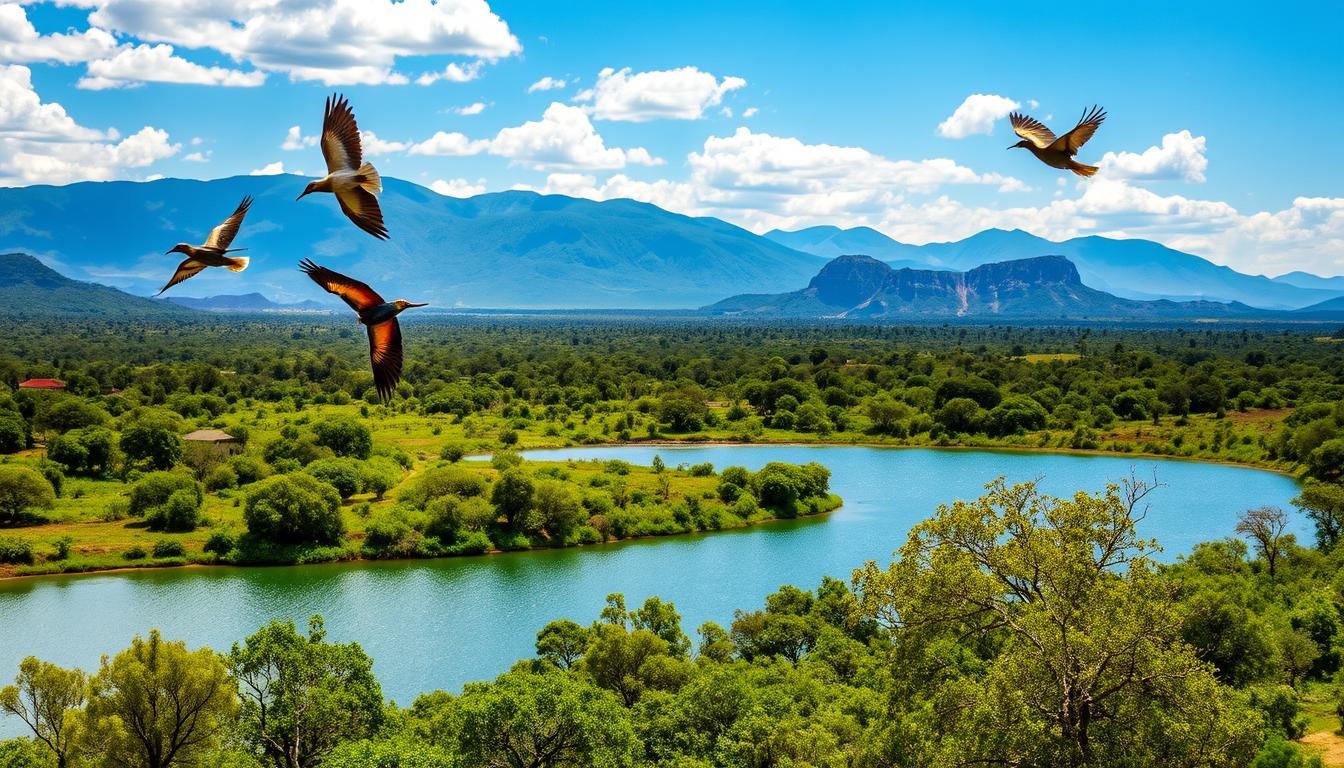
564, 138
21, 42
458, 187
157, 64
295, 140
374, 146
341, 42
199, 157
471, 109
750, 112
450, 144
546, 83
976, 115
41, 144
681, 94
1181, 156
272, 169
453, 73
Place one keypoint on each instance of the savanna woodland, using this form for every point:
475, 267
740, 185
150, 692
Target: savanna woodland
1016, 629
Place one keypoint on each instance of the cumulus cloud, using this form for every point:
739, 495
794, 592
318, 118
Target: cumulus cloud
976, 115
447, 144
564, 138
199, 157
374, 146
41, 144
750, 112
471, 109
272, 169
1181, 157
342, 42
546, 83
680, 94
295, 140
458, 187
453, 73
20, 41
156, 64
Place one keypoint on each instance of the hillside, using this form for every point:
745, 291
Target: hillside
506, 249
248, 302
1133, 269
1044, 287
29, 287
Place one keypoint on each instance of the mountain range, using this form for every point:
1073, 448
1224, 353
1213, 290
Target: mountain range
247, 302
1132, 269
29, 287
1044, 287
505, 249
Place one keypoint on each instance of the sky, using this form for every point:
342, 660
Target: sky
1225, 134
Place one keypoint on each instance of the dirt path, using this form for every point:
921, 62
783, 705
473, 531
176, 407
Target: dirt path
1328, 744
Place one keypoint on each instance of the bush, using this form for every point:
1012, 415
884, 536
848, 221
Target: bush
153, 490
13, 432
294, 509
249, 469
453, 452
136, 552
343, 474
16, 551
221, 478
169, 548
180, 513
156, 446
378, 475
220, 544
702, 470
21, 490
345, 437
442, 481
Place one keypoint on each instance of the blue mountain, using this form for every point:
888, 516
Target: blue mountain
1132, 269
505, 249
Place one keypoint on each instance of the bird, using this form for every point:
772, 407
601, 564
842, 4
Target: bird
215, 252
379, 316
1058, 152
354, 182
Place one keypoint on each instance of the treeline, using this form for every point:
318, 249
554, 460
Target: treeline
1012, 629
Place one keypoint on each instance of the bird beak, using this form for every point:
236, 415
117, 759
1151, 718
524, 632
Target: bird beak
1013, 147
300, 197
409, 304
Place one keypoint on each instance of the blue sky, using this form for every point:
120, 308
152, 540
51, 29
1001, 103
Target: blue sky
1223, 135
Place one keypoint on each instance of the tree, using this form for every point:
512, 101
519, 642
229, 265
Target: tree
1326, 462
47, 699
294, 509
155, 446
304, 696
661, 618
343, 474
1266, 526
1324, 504
556, 508
156, 704
152, 495
345, 437
1087, 664
13, 432
960, 414
22, 489
548, 719
562, 642
512, 497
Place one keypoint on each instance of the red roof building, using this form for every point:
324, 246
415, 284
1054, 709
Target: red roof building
42, 384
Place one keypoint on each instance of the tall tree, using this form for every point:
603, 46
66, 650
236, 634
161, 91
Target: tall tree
47, 698
304, 696
1267, 528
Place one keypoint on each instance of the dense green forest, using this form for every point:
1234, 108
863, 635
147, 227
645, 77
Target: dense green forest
1014, 629
98, 476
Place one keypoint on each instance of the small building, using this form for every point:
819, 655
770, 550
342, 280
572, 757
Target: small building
49, 384
213, 441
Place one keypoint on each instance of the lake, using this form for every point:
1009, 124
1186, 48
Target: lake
440, 623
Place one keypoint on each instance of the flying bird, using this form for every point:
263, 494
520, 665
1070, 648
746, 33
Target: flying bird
378, 315
215, 252
1058, 152
354, 182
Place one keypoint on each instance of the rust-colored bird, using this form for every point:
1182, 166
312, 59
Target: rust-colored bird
354, 182
378, 315
215, 252
1058, 152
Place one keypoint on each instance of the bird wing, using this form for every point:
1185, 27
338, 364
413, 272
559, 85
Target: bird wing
385, 354
361, 207
222, 235
1031, 129
1074, 140
358, 295
340, 136
188, 268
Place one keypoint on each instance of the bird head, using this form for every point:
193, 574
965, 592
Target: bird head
312, 187
401, 304
1023, 144
179, 248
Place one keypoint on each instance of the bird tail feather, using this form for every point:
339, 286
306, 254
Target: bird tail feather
239, 263
369, 179
1083, 170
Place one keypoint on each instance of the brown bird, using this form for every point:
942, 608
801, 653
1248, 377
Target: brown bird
378, 315
1058, 152
215, 252
354, 182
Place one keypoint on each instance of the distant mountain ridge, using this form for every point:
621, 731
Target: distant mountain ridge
1043, 287
247, 302
1132, 269
29, 287
505, 249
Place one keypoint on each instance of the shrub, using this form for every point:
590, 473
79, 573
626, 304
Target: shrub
378, 475
453, 452
220, 544
294, 509
156, 446
169, 548
705, 469
153, 490
442, 481
21, 490
345, 437
220, 478
249, 469
180, 513
343, 474
16, 551
136, 552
